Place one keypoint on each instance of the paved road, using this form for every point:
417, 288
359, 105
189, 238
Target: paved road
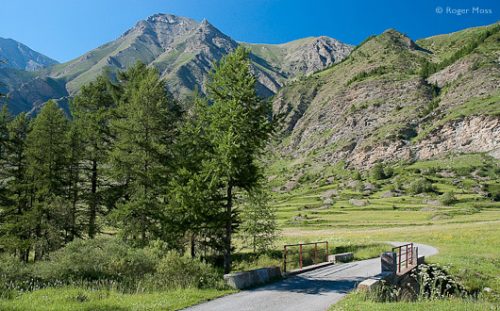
313, 290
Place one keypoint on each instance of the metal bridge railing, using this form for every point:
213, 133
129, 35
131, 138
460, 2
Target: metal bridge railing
406, 256
314, 255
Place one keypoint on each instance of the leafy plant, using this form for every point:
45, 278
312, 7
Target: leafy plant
448, 198
421, 185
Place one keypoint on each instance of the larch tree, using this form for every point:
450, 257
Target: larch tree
92, 110
194, 201
144, 129
239, 130
15, 221
259, 228
47, 156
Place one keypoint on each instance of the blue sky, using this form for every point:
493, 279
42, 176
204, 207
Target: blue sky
65, 29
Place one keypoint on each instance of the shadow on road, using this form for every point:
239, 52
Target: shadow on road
304, 285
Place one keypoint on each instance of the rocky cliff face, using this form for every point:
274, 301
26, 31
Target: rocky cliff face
376, 106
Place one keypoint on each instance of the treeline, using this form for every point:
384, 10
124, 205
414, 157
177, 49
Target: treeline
130, 153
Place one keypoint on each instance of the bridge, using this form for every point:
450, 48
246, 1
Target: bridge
319, 288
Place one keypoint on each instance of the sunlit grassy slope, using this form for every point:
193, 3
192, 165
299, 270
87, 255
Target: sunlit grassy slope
341, 210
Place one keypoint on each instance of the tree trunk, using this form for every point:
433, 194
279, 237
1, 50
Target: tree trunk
93, 201
193, 253
229, 224
74, 202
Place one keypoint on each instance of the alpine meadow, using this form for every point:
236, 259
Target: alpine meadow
176, 167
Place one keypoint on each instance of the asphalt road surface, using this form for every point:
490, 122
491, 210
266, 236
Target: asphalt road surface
314, 290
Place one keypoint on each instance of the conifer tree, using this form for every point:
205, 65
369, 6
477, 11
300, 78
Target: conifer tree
145, 127
239, 129
259, 227
5, 118
15, 221
194, 202
92, 110
47, 154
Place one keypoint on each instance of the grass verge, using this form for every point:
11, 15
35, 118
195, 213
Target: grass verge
74, 298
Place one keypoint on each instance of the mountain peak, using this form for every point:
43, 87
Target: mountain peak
207, 27
394, 37
167, 18
18, 56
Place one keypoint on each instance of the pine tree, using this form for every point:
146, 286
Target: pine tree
47, 153
259, 227
239, 129
194, 202
74, 162
92, 110
145, 127
15, 221
5, 118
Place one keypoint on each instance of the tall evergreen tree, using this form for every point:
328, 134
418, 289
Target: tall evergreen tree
92, 110
194, 202
145, 127
259, 227
76, 152
239, 129
15, 220
5, 118
47, 153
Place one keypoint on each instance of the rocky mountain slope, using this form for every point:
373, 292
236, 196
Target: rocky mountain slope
16, 55
394, 99
184, 51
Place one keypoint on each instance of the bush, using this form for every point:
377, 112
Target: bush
108, 263
377, 172
388, 172
14, 275
435, 282
463, 171
96, 259
176, 271
356, 175
493, 191
448, 198
421, 185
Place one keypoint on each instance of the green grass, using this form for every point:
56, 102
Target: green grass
359, 302
71, 298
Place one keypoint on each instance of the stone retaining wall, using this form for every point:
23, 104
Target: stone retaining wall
252, 278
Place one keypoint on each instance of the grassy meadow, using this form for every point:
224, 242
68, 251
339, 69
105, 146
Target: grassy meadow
81, 299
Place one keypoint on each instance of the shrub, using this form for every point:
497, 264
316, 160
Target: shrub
448, 198
377, 172
434, 282
494, 191
463, 171
176, 271
388, 172
14, 275
95, 259
421, 185
356, 175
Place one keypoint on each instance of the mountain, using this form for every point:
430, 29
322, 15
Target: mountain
16, 55
393, 99
303, 56
183, 50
